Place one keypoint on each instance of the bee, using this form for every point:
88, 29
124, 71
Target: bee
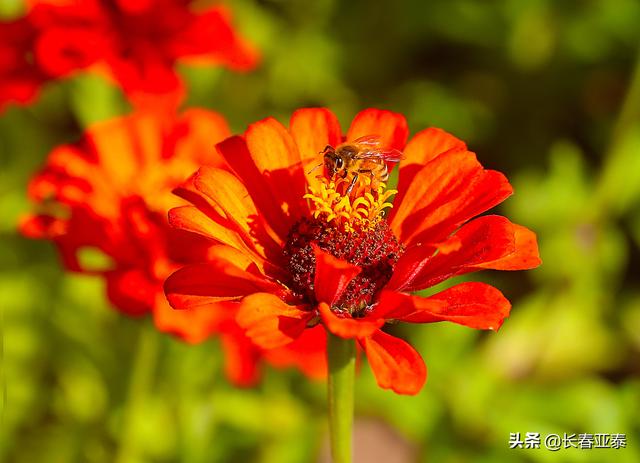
363, 156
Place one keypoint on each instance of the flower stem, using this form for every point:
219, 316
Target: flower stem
341, 357
141, 377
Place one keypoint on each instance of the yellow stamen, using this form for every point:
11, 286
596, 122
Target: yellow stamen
361, 210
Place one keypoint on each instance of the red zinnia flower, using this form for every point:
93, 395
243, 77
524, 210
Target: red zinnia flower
137, 43
336, 260
112, 192
20, 77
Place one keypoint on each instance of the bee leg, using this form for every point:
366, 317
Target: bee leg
351, 185
371, 176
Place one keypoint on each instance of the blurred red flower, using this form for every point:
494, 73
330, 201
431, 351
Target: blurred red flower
20, 77
136, 43
336, 259
111, 192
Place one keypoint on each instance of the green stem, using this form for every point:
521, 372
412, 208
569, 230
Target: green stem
618, 157
341, 356
140, 379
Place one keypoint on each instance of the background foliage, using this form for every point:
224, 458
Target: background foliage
547, 92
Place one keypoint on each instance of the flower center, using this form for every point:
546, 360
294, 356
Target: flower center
349, 227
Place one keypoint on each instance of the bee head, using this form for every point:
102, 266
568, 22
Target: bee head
332, 161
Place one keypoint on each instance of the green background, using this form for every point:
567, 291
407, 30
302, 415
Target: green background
547, 92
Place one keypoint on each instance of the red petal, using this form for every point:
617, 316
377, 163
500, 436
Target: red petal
241, 358
525, 256
270, 322
423, 147
429, 144
476, 305
389, 126
445, 193
216, 41
332, 276
481, 241
395, 364
347, 327
308, 353
131, 291
229, 276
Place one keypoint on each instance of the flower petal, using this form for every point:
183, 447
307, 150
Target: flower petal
198, 130
444, 194
395, 364
389, 126
476, 305
216, 42
347, 327
270, 322
231, 196
313, 129
423, 147
526, 255
131, 291
481, 241
241, 358
276, 156
231, 275
192, 326
261, 186
308, 353
192, 219
332, 276
135, 139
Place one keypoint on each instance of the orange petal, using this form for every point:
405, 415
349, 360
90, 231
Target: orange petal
395, 364
192, 219
123, 145
230, 195
229, 276
444, 194
192, 326
270, 322
313, 129
476, 305
201, 130
276, 156
421, 149
206, 220
389, 126
347, 327
481, 241
262, 187
332, 276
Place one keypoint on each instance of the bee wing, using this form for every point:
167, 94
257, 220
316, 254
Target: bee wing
368, 140
386, 155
